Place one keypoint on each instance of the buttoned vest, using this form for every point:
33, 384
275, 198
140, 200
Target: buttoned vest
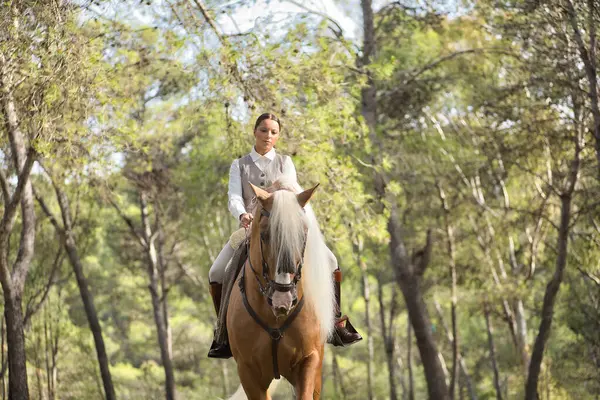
250, 173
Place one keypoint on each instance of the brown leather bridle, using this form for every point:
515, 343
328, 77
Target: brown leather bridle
267, 291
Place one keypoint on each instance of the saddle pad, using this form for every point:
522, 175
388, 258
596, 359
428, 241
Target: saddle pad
237, 238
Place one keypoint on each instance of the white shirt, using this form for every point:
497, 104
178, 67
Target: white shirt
236, 200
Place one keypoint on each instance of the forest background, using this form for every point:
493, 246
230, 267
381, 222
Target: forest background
457, 145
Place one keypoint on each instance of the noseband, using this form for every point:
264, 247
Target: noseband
271, 286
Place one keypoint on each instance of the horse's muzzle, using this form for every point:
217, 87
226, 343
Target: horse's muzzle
283, 302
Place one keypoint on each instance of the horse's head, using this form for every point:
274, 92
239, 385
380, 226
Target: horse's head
279, 234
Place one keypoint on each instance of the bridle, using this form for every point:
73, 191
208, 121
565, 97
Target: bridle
267, 291
271, 286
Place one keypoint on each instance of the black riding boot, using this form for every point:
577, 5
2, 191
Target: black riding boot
218, 350
344, 333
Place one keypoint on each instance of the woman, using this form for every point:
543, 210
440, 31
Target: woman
262, 167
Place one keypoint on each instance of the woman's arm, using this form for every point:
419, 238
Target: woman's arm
236, 201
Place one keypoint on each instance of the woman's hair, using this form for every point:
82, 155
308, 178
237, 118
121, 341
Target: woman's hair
267, 116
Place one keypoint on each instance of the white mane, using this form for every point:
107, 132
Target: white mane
287, 226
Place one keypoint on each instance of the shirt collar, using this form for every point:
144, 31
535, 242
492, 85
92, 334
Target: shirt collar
255, 156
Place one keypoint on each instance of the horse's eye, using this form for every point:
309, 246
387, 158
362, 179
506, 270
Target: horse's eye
264, 236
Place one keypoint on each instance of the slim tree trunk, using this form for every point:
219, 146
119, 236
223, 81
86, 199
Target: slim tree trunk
47, 350
452, 266
2, 359
162, 263
588, 57
401, 369
531, 389
225, 376
358, 248
388, 339
152, 268
13, 281
370, 347
490, 334
337, 376
90, 311
461, 362
66, 233
411, 378
521, 325
535, 364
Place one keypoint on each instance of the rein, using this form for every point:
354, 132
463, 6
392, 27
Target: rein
274, 333
267, 291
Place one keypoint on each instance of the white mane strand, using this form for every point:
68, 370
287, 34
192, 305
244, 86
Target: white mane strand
287, 225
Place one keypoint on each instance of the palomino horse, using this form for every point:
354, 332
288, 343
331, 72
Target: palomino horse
282, 307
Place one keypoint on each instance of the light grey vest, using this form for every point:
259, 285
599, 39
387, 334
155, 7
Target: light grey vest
250, 173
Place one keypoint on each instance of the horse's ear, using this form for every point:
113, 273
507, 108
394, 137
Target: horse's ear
305, 196
260, 193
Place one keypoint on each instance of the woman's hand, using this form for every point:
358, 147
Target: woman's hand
245, 219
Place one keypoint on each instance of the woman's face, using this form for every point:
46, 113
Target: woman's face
266, 135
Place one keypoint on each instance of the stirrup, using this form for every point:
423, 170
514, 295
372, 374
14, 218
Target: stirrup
336, 340
219, 350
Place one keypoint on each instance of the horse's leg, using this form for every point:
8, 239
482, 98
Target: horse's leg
254, 388
309, 368
319, 376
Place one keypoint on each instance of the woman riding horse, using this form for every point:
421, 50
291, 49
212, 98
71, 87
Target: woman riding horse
281, 309
262, 167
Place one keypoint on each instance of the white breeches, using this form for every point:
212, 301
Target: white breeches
217, 270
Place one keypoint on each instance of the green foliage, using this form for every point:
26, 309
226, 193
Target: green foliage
481, 106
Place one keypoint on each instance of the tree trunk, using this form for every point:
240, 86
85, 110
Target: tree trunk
535, 364
408, 276
337, 377
370, 348
2, 358
588, 57
358, 248
452, 266
15, 340
47, 358
225, 375
531, 389
509, 315
70, 245
407, 279
388, 340
162, 264
92, 317
13, 281
521, 325
152, 267
492, 349
411, 378
461, 362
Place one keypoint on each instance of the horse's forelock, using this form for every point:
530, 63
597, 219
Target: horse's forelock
287, 226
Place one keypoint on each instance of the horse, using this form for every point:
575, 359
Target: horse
281, 309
